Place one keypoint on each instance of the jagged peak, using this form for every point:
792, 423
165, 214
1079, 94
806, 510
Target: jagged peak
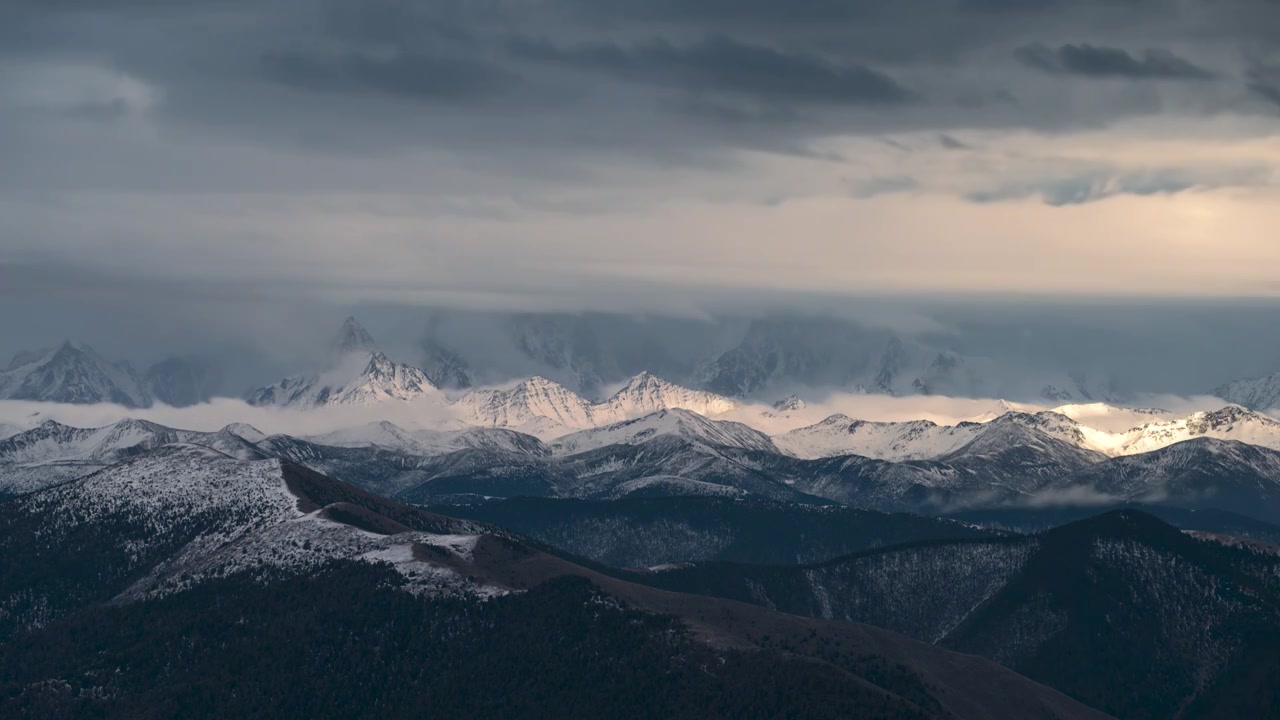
245, 431
789, 403
538, 382
645, 378
378, 362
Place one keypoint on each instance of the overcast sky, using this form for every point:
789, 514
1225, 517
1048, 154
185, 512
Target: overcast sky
229, 158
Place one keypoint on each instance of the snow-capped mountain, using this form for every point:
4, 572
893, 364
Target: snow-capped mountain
894, 441
915, 439
545, 408
358, 379
1109, 418
536, 405
246, 431
789, 404
72, 373
53, 452
677, 422
361, 375
1229, 423
431, 442
645, 393
1257, 393
925, 440
53, 441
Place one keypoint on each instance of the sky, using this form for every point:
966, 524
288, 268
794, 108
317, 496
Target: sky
233, 164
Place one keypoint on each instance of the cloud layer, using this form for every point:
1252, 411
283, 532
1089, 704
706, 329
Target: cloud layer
635, 155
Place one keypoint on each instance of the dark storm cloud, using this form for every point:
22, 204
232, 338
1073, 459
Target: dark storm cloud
414, 75
721, 64
1108, 62
1264, 82
770, 75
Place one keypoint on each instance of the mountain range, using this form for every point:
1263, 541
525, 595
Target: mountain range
1016, 459
591, 356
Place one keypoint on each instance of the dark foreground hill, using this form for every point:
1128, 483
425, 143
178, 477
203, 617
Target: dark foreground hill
644, 532
186, 583
1121, 611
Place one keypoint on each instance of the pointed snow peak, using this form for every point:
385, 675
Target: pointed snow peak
644, 379
245, 431
379, 364
789, 404
70, 352
540, 383
353, 337
646, 382
647, 393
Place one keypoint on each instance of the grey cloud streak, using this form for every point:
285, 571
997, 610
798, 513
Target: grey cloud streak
721, 64
1106, 62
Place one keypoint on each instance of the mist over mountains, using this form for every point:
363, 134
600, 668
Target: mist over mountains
760, 359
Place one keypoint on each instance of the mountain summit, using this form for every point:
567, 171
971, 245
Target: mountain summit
72, 373
358, 379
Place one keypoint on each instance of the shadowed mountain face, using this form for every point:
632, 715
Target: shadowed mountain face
1121, 611
644, 532
185, 582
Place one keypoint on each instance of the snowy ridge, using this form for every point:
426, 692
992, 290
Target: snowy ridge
925, 440
228, 516
1256, 393
535, 403
359, 379
646, 393
1229, 423
677, 422
53, 452
390, 436
546, 409
893, 441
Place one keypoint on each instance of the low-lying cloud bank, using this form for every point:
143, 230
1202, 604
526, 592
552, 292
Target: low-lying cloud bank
221, 412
